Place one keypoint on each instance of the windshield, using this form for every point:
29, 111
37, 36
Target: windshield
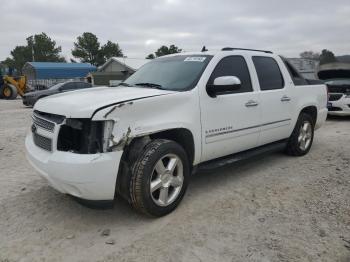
176, 73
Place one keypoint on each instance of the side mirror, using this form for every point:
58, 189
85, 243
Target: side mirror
223, 85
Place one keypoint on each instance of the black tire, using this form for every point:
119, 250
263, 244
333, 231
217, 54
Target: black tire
9, 92
143, 170
14, 92
294, 147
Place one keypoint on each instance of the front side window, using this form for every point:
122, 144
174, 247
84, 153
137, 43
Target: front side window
175, 73
269, 73
233, 66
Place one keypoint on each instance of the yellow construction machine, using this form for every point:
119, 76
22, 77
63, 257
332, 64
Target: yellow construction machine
11, 86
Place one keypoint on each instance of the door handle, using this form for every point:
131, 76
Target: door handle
285, 99
251, 103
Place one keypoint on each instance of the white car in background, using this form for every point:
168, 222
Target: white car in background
339, 97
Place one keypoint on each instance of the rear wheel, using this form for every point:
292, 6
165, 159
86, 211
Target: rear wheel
9, 91
159, 178
300, 141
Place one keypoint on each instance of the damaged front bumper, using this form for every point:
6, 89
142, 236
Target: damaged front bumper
86, 176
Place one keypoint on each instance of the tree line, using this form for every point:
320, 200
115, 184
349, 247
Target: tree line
87, 49
325, 57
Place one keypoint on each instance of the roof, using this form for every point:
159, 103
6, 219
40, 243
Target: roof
51, 70
135, 63
132, 63
53, 65
224, 52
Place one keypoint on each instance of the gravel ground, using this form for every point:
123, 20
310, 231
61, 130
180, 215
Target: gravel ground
273, 208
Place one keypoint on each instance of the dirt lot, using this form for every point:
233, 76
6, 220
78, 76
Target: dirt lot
275, 208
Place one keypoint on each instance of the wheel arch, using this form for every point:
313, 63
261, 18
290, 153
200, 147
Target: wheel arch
311, 111
182, 136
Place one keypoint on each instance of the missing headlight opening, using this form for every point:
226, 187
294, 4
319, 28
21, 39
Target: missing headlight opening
84, 136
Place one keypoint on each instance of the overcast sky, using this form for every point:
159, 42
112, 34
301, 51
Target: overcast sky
140, 27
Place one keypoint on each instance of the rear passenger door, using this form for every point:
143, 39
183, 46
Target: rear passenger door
230, 121
276, 100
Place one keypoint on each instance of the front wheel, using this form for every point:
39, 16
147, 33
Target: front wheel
300, 141
159, 178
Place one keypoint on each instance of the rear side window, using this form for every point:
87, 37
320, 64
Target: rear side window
69, 86
81, 85
269, 73
233, 66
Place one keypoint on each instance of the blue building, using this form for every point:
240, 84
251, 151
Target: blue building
50, 70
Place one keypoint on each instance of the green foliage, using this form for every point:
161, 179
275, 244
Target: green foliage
40, 48
150, 56
111, 49
164, 50
88, 49
310, 55
19, 56
44, 48
327, 57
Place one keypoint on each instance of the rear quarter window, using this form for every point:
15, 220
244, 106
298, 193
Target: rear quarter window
269, 73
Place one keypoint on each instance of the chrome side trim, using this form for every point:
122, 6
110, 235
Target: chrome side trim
246, 128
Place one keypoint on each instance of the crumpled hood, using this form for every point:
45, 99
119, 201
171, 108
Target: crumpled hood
83, 103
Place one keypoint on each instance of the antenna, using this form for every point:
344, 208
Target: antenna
204, 49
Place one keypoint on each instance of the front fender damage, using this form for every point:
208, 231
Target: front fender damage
125, 140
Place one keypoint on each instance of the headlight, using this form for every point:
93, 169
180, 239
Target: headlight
84, 136
107, 142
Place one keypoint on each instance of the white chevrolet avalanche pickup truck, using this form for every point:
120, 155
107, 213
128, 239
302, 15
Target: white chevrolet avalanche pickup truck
178, 113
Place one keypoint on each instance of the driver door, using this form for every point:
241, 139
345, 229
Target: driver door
231, 121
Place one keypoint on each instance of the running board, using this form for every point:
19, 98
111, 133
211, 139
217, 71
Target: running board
227, 160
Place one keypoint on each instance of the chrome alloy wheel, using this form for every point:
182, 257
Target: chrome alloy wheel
166, 180
305, 136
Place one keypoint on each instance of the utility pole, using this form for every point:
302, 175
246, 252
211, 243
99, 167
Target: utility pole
33, 59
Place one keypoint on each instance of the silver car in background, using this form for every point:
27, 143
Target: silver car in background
30, 98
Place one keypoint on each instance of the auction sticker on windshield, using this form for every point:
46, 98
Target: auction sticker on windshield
194, 59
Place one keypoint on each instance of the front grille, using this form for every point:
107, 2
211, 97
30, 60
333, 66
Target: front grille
58, 119
335, 97
42, 142
43, 123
